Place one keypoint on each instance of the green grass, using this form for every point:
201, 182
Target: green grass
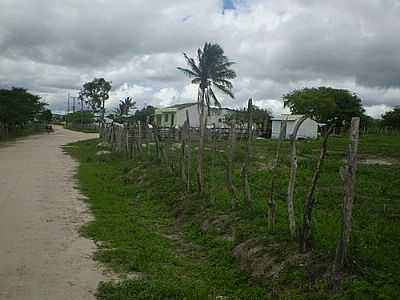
134, 221
148, 224
84, 130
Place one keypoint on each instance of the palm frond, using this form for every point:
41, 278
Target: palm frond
225, 90
216, 102
229, 74
223, 82
188, 72
192, 64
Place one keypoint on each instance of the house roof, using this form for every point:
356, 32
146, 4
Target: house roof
287, 117
182, 105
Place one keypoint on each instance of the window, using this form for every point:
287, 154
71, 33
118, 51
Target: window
166, 118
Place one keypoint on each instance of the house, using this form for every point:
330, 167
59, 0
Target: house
175, 116
308, 129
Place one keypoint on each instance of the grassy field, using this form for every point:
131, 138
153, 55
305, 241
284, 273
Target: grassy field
178, 245
85, 130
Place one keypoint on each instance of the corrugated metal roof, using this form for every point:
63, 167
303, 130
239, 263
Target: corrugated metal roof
182, 105
287, 117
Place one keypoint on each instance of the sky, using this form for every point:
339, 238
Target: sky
51, 47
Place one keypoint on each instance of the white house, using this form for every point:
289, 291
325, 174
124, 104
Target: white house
175, 116
308, 129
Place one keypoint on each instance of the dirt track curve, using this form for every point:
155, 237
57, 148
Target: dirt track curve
42, 256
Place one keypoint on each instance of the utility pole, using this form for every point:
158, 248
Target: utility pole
68, 104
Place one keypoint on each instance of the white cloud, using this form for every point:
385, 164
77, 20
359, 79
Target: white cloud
166, 96
376, 111
52, 47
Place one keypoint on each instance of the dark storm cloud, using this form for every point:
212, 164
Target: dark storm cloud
53, 46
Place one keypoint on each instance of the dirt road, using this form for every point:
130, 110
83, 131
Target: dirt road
42, 255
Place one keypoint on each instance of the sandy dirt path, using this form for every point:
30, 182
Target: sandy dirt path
42, 255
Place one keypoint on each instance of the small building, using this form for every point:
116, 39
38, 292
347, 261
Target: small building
175, 116
308, 129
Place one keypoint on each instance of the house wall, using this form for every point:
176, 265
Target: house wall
276, 129
160, 117
180, 117
216, 118
309, 129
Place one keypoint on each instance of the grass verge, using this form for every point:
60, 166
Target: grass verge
146, 225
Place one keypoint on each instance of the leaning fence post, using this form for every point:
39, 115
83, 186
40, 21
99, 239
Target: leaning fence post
188, 153
245, 168
309, 201
229, 166
271, 203
349, 177
213, 158
292, 178
183, 135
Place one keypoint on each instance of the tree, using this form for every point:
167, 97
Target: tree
45, 116
145, 113
325, 105
392, 118
18, 107
210, 69
95, 93
121, 113
261, 117
80, 117
126, 105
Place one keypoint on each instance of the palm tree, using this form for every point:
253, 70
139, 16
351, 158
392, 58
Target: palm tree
126, 105
212, 69
122, 111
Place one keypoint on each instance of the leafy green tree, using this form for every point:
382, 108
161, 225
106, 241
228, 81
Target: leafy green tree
391, 119
261, 117
325, 104
96, 93
80, 117
18, 108
46, 116
210, 69
145, 113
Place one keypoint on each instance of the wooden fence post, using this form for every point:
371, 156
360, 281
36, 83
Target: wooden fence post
127, 141
188, 153
292, 178
183, 135
139, 139
271, 203
229, 166
213, 137
349, 177
305, 239
245, 168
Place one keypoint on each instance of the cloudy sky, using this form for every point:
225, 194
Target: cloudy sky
52, 47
